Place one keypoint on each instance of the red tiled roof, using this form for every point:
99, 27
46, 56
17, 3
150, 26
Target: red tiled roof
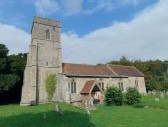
100, 70
86, 70
88, 87
126, 70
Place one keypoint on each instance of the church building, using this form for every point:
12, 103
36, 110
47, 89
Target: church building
75, 82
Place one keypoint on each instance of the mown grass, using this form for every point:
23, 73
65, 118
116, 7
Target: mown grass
156, 115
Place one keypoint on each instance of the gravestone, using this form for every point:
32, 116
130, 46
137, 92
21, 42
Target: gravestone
162, 96
87, 110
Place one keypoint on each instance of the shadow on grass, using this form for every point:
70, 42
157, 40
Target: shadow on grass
70, 119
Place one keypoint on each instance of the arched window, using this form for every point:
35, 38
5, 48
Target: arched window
47, 34
120, 85
72, 86
101, 85
136, 83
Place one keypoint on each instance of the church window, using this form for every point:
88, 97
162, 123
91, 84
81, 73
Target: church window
46, 63
73, 86
136, 83
120, 85
47, 34
101, 85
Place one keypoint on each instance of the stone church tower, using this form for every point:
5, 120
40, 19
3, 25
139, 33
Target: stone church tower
44, 57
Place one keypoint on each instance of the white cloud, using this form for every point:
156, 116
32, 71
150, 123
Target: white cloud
71, 7
46, 7
145, 37
14, 38
107, 5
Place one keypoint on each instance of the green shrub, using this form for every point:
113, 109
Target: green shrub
132, 96
51, 85
113, 96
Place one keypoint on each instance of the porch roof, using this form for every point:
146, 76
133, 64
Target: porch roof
88, 87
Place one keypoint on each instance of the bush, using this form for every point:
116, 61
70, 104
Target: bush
50, 85
132, 96
113, 96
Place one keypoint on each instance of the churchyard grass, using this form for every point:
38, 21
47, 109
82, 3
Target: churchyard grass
153, 114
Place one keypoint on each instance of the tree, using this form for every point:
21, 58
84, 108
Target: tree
3, 51
7, 82
51, 85
113, 96
132, 96
11, 75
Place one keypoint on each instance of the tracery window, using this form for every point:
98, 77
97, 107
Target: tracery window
73, 86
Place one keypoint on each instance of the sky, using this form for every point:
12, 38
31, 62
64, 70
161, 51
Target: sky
93, 31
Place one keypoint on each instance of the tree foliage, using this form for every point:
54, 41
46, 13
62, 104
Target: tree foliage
132, 96
7, 82
3, 51
11, 75
113, 96
51, 85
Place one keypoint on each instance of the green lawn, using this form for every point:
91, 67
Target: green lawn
156, 115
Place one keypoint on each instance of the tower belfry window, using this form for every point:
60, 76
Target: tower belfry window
47, 34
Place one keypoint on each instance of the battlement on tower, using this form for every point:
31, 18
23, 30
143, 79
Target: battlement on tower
46, 21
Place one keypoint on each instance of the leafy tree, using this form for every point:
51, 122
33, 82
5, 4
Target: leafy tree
11, 75
8, 81
51, 85
132, 96
3, 51
17, 63
113, 96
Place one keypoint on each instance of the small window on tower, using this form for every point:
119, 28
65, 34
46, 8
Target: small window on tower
46, 63
47, 34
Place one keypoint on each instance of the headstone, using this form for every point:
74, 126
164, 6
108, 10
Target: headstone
154, 92
149, 92
56, 108
162, 95
147, 106
87, 110
59, 110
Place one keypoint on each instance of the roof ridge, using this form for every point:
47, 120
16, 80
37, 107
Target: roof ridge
138, 71
120, 65
111, 69
82, 64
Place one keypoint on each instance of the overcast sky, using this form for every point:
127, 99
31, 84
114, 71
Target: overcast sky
93, 31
